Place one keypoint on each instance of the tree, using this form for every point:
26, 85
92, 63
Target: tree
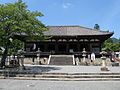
119, 40
17, 19
109, 40
15, 46
110, 44
97, 27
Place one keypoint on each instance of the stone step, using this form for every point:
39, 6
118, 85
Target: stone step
59, 75
79, 73
52, 73
70, 76
64, 76
63, 79
61, 60
61, 55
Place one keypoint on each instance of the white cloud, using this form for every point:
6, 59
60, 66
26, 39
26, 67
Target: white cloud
66, 5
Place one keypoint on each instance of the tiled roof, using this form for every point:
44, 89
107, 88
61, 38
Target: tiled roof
73, 31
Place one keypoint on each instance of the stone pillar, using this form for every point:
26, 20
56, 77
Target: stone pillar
119, 55
84, 54
103, 68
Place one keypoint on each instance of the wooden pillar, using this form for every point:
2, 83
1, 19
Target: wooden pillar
78, 47
100, 46
46, 47
67, 48
89, 45
56, 47
25, 46
67, 45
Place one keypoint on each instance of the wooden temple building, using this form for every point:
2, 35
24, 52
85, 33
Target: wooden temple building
67, 40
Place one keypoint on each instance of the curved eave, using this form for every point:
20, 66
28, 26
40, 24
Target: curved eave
107, 34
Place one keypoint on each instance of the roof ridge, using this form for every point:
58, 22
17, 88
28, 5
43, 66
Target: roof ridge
63, 26
94, 29
78, 26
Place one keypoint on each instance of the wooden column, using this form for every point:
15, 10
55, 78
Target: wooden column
25, 46
56, 47
67, 45
67, 48
46, 47
89, 45
100, 46
78, 47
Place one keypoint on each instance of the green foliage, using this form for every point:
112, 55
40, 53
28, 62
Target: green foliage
109, 44
115, 40
15, 46
97, 27
109, 40
17, 19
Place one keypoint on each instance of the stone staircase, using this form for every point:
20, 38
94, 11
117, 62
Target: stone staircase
61, 60
63, 76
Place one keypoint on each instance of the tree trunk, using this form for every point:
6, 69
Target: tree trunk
2, 64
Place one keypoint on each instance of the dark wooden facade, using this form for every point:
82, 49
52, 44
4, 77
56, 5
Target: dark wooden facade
70, 40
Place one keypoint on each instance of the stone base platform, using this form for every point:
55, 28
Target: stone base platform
67, 73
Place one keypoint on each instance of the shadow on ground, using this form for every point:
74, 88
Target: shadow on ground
40, 69
12, 72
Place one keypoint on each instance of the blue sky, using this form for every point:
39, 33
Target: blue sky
85, 13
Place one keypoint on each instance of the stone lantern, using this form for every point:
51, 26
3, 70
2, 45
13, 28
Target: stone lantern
84, 54
38, 55
104, 68
119, 53
21, 57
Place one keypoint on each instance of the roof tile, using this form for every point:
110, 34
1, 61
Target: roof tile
73, 31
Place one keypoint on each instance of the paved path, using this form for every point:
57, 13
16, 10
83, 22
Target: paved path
7, 84
58, 85
71, 69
